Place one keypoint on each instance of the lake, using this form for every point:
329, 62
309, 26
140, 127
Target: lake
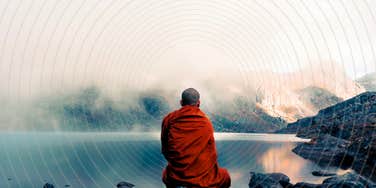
103, 159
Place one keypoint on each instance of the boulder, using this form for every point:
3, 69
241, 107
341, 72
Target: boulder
124, 184
268, 180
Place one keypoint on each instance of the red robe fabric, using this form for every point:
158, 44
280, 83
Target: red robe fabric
188, 146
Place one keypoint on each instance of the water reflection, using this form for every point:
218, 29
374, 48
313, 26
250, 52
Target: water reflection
281, 159
102, 160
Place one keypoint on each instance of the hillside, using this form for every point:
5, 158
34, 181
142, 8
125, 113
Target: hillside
342, 135
368, 81
318, 98
295, 95
243, 115
91, 110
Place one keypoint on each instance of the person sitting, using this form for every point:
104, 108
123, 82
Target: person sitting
187, 138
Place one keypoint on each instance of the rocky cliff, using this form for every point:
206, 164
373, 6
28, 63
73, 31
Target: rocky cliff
340, 120
342, 135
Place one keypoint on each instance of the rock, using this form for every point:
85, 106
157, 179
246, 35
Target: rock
66, 185
273, 180
124, 184
348, 180
269, 180
306, 185
323, 173
325, 150
352, 125
48, 185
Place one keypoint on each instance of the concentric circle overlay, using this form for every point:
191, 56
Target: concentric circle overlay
85, 84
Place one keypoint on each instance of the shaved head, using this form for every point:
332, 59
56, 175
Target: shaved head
190, 96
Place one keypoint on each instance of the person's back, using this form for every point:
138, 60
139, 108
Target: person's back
189, 147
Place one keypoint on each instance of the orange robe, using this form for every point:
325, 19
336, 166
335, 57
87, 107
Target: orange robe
188, 146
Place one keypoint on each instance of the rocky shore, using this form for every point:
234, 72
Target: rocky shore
279, 180
342, 135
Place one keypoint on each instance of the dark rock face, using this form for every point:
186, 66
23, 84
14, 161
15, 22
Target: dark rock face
338, 120
272, 180
342, 120
124, 184
342, 135
325, 149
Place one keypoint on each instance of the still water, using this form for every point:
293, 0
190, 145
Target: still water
103, 159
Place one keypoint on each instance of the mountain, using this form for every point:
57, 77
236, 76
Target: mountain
338, 119
244, 115
368, 81
269, 101
91, 110
295, 95
282, 98
341, 119
317, 98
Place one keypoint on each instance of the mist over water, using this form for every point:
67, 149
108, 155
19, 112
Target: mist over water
260, 51
279, 99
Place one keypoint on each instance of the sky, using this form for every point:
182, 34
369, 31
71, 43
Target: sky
51, 46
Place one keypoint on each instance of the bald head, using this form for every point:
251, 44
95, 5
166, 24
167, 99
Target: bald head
190, 96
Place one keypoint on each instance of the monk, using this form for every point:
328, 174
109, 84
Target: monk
189, 147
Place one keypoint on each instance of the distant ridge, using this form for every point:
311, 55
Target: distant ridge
368, 81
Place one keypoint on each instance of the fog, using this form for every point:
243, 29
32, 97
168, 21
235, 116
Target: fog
50, 51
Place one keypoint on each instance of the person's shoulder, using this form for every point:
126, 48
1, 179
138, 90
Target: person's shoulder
170, 115
204, 115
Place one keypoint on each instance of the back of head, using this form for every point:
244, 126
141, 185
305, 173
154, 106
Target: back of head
190, 96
